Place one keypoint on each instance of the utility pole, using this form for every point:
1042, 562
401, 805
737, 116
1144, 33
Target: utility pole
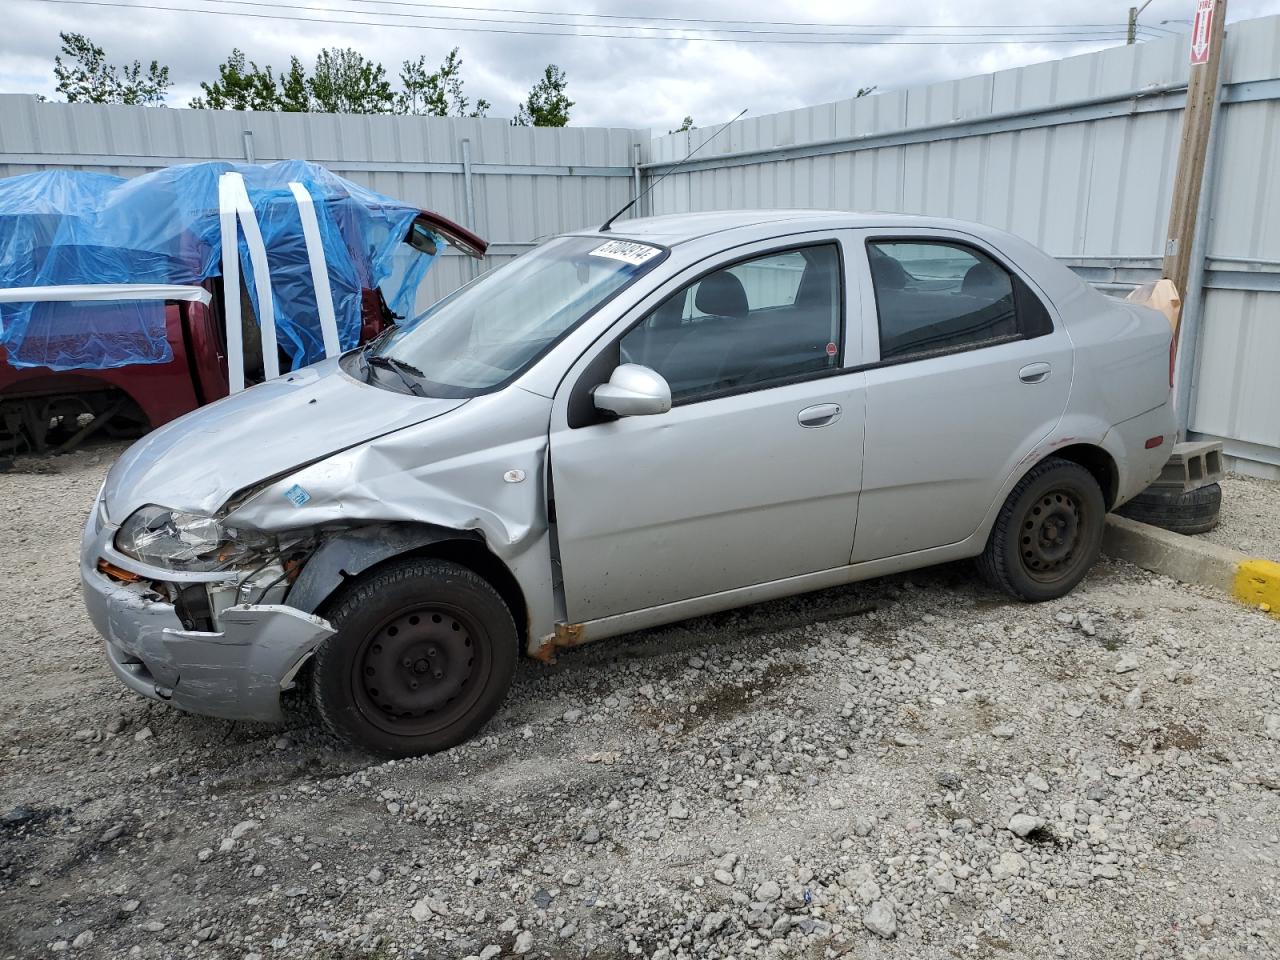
1134, 13
1197, 118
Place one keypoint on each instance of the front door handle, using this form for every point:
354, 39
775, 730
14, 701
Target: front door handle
819, 415
1035, 372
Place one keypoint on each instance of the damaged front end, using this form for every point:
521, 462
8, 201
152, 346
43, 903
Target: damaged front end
191, 612
216, 541
250, 567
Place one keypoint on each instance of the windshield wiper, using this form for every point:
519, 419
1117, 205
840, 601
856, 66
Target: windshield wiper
386, 331
405, 371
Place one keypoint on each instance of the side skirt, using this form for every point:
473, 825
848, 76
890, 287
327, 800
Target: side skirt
568, 635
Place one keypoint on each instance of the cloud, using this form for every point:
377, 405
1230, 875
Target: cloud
615, 82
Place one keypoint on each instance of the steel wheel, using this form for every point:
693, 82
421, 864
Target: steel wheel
423, 656
1048, 532
417, 671
1050, 535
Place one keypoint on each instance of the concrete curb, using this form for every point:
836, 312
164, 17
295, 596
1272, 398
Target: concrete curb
1248, 579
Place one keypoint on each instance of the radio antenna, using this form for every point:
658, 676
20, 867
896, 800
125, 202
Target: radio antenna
644, 193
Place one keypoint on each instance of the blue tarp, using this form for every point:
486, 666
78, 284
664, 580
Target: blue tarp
67, 227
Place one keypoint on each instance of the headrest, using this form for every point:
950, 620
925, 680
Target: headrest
669, 313
722, 295
984, 279
887, 272
815, 285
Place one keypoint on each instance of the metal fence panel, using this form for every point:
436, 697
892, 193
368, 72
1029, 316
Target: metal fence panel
1076, 155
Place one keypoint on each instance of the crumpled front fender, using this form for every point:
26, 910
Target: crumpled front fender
455, 472
479, 472
349, 553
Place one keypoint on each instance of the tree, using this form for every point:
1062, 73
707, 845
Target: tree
437, 94
343, 81
418, 94
548, 105
294, 92
86, 77
685, 125
866, 91
240, 86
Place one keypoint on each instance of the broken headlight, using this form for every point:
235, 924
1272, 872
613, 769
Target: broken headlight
176, 540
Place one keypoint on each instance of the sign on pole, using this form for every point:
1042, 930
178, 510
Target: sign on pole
1200, 35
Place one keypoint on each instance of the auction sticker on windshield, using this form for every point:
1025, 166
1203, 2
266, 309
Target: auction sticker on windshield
626, 251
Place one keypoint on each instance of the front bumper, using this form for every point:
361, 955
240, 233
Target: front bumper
236, 673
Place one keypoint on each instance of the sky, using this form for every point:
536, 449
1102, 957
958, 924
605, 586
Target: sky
620, 81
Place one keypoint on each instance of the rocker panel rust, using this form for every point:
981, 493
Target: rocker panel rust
566, 635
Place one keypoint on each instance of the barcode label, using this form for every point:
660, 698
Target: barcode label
626, 251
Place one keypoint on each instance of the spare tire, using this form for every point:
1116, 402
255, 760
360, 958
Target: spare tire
1190, 511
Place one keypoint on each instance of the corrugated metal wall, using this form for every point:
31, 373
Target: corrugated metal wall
1077, 155
1093, 188
526, 182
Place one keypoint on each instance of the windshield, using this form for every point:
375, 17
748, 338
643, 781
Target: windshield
486, 333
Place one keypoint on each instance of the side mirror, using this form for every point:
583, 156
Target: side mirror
633, 390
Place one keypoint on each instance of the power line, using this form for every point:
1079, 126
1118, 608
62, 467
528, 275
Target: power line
1084, 29
894, 29
828, 40
1045, 27
273, 5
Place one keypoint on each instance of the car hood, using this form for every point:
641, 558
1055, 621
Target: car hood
197, 462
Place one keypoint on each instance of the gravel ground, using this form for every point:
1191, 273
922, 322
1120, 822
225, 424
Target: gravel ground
912, 767
1250, 519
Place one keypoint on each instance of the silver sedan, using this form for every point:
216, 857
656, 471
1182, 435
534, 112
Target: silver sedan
616, 430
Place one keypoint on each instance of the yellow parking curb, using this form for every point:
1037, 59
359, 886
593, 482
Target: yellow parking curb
1248, 579
1257, 583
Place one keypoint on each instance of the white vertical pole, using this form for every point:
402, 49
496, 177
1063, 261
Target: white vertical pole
231, 285
469, 199
319, 269
635, 177
261, 273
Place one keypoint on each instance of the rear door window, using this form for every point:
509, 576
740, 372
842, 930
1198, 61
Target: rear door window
939, 297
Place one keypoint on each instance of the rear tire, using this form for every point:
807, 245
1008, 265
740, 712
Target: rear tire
423, 656
1048, 532
1190, 512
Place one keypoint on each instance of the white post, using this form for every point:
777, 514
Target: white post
231, 285
319, 269
238, 195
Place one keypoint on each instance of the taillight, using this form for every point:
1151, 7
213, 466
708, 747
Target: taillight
1173, 356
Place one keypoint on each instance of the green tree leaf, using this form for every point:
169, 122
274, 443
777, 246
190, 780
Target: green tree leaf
240, 85
343, 81
295, 96
436, 93
85, 76
548, 104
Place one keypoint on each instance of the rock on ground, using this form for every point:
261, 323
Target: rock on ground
669, 794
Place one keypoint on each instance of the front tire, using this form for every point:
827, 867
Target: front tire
1048, 533
424, 655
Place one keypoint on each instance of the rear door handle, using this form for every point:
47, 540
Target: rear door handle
1035, 372
819, 415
